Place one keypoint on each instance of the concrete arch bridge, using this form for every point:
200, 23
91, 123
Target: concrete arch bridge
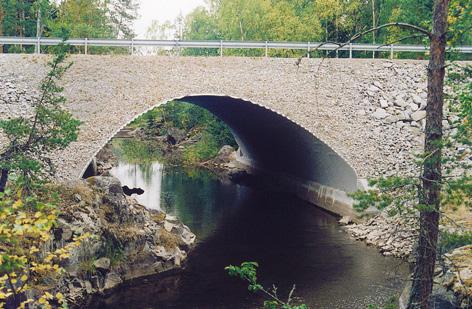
320, 127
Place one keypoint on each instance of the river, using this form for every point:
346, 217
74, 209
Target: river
293, 241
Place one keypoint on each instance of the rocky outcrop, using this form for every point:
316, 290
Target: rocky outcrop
226, 166
105, 160
456, 275
128, 241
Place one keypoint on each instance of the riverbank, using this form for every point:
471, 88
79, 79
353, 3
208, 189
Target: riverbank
396, 236
127, 240
171, 150
392, 236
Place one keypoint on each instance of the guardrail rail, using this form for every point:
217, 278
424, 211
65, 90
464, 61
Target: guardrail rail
221, 45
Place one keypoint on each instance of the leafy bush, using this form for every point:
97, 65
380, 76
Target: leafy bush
26, 262
248, 272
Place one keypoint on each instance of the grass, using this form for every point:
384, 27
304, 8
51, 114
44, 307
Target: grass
167, 239
86, 267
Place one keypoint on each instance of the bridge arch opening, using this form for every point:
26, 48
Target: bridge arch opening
273, 145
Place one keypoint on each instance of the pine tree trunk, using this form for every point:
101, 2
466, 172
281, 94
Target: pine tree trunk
2, 16
429, 219
3, 179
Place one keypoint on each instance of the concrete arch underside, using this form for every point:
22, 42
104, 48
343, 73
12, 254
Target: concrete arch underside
284, 152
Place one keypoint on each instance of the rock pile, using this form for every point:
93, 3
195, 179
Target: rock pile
396, 109
394, 236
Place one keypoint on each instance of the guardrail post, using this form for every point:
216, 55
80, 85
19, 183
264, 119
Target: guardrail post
132, 47
350, 50
86, 46
308, 51
38, 45
391, 51
221, 48
266, 49
337, 52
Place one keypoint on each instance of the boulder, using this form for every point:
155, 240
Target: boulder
225, 154
345, 220
175, 136
418, 100
383, 103
112, 280
418, 115
400, 102
102, 263
413, 107
380, 113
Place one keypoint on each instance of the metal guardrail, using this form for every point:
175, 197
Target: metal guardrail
221, 45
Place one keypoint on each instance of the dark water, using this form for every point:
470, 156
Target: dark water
294, 243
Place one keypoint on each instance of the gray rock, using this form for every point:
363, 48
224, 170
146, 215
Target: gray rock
102, 263
400, 124
418, 100
391, 119
373, 88
380, 113
225, 154
383, 103
108, 184
413, 107
418, 115
445, 124
77, 198
112, 280
345, 220
399, 101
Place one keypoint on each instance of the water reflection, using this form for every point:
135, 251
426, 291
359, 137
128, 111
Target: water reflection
147, 176
294, 242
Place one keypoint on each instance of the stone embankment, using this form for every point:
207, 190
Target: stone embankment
128, 241
376, 102
393, 236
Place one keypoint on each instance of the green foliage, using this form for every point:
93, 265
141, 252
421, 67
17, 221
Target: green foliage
27, 260
86, 267
114, 251
450, 241
136, 151
28, 212
206, 148
248, 272
83, 18
392, 303
193, 120
31, 140
389, 191
318, 21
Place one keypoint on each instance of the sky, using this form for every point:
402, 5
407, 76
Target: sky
162, 10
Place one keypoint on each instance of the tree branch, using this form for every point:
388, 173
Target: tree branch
396, 24
402, 39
